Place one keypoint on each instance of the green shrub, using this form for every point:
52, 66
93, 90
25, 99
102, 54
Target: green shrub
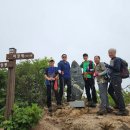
2, 110
3, 86
23, 118
126, 97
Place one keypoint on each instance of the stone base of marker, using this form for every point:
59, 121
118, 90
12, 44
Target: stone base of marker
77, 104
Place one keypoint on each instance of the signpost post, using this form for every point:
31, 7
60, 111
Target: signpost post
11, 64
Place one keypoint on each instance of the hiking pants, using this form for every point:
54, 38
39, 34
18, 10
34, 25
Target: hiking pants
64, 82
115, 91
103, 96
90, 85
49, 94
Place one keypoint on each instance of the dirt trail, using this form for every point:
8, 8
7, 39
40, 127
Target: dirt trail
82, 119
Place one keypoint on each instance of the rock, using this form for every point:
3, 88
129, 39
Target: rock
77, 81
75, 112
77, 104
124, 127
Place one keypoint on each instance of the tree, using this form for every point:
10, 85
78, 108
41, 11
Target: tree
30, 85
30, 81
3, 84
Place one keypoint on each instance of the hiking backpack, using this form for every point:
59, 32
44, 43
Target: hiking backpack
124, 69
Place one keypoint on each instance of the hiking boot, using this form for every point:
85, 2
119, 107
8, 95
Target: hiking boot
116, 107
92, 104
109, 110
60, 103
102, 112
70, 100
50, 109
89, 103
122, 113
59, 106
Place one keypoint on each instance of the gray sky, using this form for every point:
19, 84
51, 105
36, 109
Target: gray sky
52, 27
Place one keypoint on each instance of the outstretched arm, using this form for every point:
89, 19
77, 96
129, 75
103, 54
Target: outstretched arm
116, 67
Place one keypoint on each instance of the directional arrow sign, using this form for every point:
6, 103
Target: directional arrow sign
19, 56
11, 65
7, 64
3, 64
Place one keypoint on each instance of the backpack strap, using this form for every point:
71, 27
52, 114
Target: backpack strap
91, 64
56, 70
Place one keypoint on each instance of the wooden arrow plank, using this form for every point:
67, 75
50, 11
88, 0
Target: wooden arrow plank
7, 64
19, 56
3, 64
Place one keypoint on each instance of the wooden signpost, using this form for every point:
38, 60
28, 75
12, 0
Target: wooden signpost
11, 64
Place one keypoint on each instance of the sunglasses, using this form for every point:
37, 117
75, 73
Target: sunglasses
64, 57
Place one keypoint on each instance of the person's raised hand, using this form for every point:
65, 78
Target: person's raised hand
106, 65
96, 74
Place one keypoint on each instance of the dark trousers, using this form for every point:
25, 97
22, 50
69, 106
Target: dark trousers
64, 82
90, 85
50, 87
115, 92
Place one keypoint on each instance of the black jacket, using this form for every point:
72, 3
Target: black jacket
115, 67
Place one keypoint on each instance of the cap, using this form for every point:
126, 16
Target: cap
85, 54
51, 60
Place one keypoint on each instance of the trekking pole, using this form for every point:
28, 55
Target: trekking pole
63, 84
52, 92
126, 87
88, 108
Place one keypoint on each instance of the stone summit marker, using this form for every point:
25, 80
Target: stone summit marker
77, 85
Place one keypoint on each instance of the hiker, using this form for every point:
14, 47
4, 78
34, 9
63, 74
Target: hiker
115, 89
64, 77
51, 76
88, 71
102, 81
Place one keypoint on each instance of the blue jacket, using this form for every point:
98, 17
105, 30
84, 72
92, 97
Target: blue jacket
65, 67
50, 72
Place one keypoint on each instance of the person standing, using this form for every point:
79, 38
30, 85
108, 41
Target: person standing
64, 77
88, 71
115, 89
51, 76
102, 81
